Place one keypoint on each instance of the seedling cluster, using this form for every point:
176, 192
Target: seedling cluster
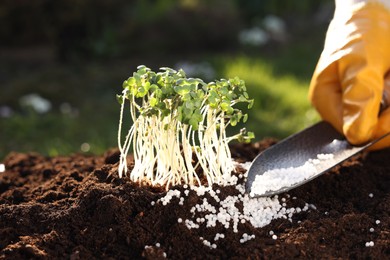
179, 127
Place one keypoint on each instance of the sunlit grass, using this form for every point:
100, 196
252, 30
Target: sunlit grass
56, 134
281, 105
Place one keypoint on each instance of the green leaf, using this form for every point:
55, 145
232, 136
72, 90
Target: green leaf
245, 118
142, 70
153, 88
182, 90
187, 111
137, 79
242, 99
141, 92
186, 97
213, 98
130, 82
197, 103
180, 114
146, 85
125, 83
133, 92
168, 70
197, 115
223, 91
120, 99
181, 73
225, 106
200, 94
233, 120
189, 105
181, 82
165, 112
142, 67
153, 101
161, 105
250, 104
158, 93
194, 123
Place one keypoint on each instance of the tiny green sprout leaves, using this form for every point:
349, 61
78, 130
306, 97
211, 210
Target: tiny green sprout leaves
176, 118
120, 99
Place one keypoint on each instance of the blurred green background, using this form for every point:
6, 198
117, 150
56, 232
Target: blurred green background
62, 62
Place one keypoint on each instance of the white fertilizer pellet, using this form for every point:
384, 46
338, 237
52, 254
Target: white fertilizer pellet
219, 236
377, 222
246, 237
279, 178
2, 167
158, 246
370, 244
170, 194
208, 243
230, 212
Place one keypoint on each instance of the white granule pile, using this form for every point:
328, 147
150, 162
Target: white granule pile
231, 211
277, 179
257, 211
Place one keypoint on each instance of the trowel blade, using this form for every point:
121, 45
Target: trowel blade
298, 149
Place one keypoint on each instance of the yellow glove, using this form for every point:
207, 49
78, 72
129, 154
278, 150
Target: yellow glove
348, 82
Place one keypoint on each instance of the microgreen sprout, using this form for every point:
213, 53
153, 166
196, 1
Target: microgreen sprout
179, 126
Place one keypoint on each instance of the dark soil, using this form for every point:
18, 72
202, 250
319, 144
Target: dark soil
77, 208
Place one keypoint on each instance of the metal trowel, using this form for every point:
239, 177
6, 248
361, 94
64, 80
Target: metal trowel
300, 148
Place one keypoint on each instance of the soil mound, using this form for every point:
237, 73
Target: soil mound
76, 207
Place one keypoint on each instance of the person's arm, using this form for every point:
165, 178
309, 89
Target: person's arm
348, 83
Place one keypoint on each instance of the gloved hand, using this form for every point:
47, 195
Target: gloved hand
348, 82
